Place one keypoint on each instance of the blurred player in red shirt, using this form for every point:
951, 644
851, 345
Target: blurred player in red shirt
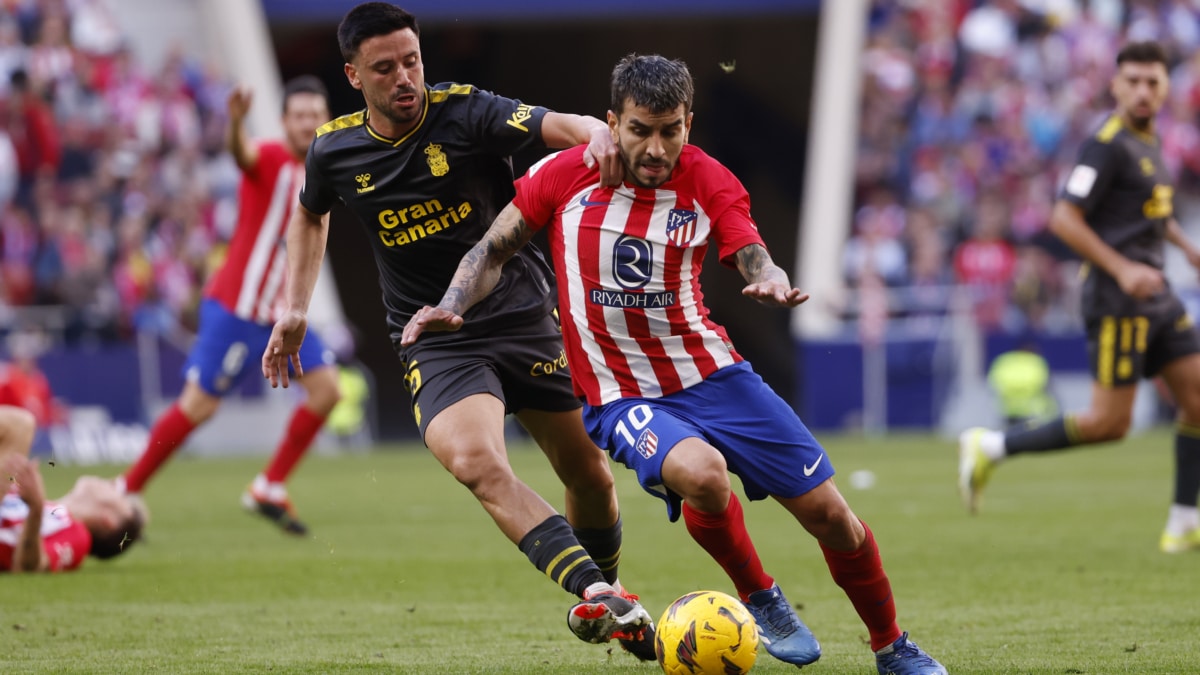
241, 303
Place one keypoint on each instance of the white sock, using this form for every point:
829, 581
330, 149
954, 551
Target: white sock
599, 588
1182, 519
992, 444
276, 492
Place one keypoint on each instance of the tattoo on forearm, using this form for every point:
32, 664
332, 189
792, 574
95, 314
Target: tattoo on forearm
756, 265
479, 271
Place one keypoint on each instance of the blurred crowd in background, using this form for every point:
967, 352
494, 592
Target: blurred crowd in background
972, 113
115, 195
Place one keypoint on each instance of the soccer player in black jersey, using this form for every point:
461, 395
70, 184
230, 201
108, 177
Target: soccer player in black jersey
426, 168
1115, 211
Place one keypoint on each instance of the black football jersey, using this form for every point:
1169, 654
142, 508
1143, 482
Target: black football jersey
1125, 192
427, 198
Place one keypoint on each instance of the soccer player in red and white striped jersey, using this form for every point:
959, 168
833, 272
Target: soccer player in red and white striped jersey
38, 535
664, 389
241, 303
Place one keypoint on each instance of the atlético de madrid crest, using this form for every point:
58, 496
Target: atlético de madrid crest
681, 226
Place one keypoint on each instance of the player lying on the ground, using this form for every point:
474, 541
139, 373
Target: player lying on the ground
39, 535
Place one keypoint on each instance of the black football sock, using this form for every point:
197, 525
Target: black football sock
604, 546
1187, 465
1054, 434
552, 548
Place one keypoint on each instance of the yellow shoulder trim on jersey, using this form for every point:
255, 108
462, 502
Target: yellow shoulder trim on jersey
439, 95
395, 142
344, 122
1110, 129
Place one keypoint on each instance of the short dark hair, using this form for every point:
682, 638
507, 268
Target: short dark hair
368, 20
1148, 51
304, 84
653, 81
123, 536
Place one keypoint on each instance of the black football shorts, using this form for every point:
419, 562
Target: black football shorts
524, 366
1127, 346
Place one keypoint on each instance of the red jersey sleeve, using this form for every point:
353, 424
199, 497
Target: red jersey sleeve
544, 188
725, 199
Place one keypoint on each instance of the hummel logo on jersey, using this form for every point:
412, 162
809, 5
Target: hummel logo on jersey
809, 470
364, 179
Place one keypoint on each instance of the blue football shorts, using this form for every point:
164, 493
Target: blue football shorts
763, 441
228, 347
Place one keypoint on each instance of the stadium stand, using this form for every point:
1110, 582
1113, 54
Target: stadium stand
971, 114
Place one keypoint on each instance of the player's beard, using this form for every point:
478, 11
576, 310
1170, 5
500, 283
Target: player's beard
400, 118
640, 181
1141, 122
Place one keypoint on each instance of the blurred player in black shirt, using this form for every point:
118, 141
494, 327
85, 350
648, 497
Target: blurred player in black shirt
426, 168
1116, 212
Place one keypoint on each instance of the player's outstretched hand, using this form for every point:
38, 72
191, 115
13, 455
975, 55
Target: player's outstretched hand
429, 319
775, 294
239, 103
23, 472
603, 151
284, 348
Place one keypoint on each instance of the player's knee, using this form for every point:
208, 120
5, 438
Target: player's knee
19, 426
707, 482
322, 390
596, 479
197, 405
476, 469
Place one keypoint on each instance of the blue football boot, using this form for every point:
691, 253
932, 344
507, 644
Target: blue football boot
783, 633
904, 657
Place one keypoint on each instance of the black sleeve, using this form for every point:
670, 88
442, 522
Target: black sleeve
1092, 174
316, 195
505, 126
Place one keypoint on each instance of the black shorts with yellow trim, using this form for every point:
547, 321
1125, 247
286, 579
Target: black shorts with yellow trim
1125, 347
524, 366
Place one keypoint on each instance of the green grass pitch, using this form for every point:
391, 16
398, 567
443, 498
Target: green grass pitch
404, 572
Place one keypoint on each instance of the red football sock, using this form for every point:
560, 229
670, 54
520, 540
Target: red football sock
168, 433
300, 434
724, 537
860, 574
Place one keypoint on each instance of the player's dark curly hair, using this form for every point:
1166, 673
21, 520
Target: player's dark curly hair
304, 84
1148, 51
653, 81
368, 20
123, 536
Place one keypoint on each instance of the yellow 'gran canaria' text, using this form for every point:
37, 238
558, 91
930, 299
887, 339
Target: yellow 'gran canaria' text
417, 221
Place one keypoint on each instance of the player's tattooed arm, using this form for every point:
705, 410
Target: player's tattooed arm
756, 265
477, 274
479, 271
767, 282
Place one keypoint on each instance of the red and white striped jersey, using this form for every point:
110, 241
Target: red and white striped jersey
628, 263
251, 281
65, 541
